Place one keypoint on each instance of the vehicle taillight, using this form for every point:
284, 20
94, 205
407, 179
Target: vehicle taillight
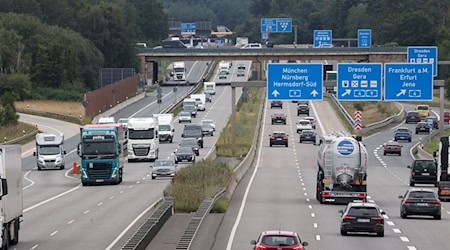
436, 202
409, 201
386, 147
298, 248
261, 248
326, 194
413, 173
417, 126
273, 137
284, 137
444, 188
362, 195
398, 147
347, 217
377, 218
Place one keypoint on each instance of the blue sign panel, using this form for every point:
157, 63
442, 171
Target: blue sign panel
276, 25
323, 38
294, 81
345, 148
359, 81
188, 28
364, 38
424, 55
406, 82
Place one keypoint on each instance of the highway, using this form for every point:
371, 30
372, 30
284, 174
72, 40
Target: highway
69, 216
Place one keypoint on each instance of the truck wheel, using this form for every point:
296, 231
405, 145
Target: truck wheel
6, 237
15, 239
62, 167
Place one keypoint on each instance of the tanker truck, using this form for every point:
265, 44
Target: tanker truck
342, 168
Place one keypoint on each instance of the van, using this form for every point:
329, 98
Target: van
423, 172
252, 46
424, 110
194, 131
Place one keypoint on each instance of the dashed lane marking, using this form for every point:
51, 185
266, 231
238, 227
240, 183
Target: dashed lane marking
70, 222
390, 223
412, 248
315, 225
317, 237
34, 247
313, 215
397, 231
112, 197
99, 204
87, 211
54, 233
404, 238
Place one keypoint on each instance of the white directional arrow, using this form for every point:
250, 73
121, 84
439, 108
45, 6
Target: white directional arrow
275, 93
314, 93
402, 92
347, 92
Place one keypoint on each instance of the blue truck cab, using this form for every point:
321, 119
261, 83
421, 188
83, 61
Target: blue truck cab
102, 150
403, 134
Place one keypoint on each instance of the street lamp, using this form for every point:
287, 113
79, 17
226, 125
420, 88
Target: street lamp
295, 35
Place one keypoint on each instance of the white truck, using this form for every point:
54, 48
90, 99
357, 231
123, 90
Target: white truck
11, 194
106, 120
179, 71
224, 67
166, 130
200, 100
342, 172
50, 151
143, 143
209, 88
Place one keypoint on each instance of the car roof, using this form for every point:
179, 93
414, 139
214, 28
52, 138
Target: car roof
392, 143
278, 132
403, 128
421, 190
309, 117
279, 114
362, 204
303, 120
308, 131
279, 232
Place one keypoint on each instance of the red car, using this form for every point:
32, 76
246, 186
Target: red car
278, 240
446, 116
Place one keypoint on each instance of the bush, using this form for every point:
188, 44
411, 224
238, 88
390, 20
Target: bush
221, 205
56, 94
359, 106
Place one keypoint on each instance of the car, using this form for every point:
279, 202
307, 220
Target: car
413, 117
207, 129
208, 97
422, 127
124, 122
392, 147
163, 168
200, 106
304, 125
185, 117
194, 131
403, 134
423, 171
223, 75
302, 109
191, 142
432, 120
423, 110
279, 118
210, 122
447, 116
276, 104
308, 135
279, 240
252, 46
279, 138
269, 44
240, 73
184, 154
420, 201
241, 66
362, 217
312, 120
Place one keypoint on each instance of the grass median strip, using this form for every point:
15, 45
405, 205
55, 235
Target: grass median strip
433, 144
16, 131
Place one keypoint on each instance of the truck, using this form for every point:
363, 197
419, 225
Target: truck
142, 139
166, 130
50, 151
442, 159
11, 194
342, 168
200, 100
106, 120
179, 71
209, 88
103, 149
224, 67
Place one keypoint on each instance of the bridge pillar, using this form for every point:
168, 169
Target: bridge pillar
256, 70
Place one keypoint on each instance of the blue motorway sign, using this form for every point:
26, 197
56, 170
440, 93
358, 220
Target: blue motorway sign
188, 28
323, 38
364, 38
359, 82
424, 55
276, 25
294, 81
406, 82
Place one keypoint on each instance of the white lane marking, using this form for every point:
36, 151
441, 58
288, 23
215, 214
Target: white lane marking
25, 176
371, 201
244, 199
317, 237
313, 215
411, 150
448, 212
51, 199
306, 194
396, 230
322, 129
121, 192
369, 197
309, 206
412, 248
315, 225
385, 216
404, 238
132, 224
307, 199
303, 184
137, 182
99, 204
304, 189
130, 186
112, 197
371, 136
53, 234
70, 222
34, 247
87, 211
436, 114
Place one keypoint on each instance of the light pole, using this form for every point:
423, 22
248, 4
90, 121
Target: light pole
295, 35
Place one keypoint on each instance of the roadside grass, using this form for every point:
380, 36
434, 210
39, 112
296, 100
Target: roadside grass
433, 144
16, 131
246, 118
192, 184
221, 205
371, 111
64, 111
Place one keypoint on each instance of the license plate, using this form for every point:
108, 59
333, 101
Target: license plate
307, 137
278, 139
445, 192
402, 137
184, 160
422, 204
425, 173
363, 220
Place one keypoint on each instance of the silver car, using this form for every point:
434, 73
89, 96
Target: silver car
185, 117
163, 168
240, 73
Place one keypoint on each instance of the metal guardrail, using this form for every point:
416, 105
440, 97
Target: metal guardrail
68, 118
347, 116
23, 137
188, 236
151, 226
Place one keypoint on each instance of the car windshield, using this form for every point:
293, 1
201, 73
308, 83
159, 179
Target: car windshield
141, 134
189, 142
308, 132
279, 134
163, 163
122, 121
193, 132
394, 143
420, 165
413, 113
279, 240
402, 130
164, 127
304, 123
184, 150
422, 108
363, 211
422, 195
49, 150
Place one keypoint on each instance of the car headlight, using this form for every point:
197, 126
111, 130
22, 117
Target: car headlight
41, 160
58, 159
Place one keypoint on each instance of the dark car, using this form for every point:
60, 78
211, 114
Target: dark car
434, 120
423, 172
279, 240
362, 217
302, 109
422, 127
413, 117
241, 66
184, 154
208, 129
278, 138
191, 142
173, 44
163, 168
392, 148
194, 131
308, 135
208, 97
276, 104
402, 134
420, 201
279, 118
269, 44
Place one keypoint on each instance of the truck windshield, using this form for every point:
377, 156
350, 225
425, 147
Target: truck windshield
164, 127
95, 148
49, 150
178, 69
141, 134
